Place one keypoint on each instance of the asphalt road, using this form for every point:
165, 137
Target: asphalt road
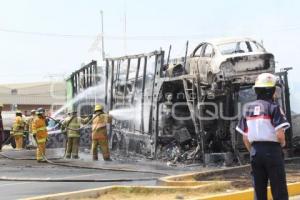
31, 169
27, 169
18, 190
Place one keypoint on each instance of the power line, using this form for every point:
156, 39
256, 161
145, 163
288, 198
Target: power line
137, 37
46, 34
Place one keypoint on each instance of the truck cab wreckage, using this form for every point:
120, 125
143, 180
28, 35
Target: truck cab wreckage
186, 109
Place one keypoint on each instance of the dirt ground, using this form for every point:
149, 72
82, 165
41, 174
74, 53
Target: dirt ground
240, 180
128, 196
145, 194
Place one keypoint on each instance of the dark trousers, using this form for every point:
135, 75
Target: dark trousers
268, 164
1, 139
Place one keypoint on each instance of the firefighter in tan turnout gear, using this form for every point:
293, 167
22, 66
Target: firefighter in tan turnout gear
18, 130
71, 126
31, 140
39, 131
99, 133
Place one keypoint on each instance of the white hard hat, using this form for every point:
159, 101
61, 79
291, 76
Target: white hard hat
265, 80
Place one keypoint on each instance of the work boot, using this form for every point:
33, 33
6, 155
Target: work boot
107, 159
95, 159
68, 157
75, 157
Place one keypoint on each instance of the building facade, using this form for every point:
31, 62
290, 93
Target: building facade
27, 96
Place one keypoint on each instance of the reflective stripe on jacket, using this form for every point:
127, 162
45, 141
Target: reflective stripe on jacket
73, 123
18, 126
39, 129
99, 125
100, 122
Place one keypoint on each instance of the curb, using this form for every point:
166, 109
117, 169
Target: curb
182, 183
293, 189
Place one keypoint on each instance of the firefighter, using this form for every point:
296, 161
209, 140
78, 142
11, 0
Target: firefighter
263, 126
99, 133
18, 130
1, 127
31, 140
71, 126
40, 134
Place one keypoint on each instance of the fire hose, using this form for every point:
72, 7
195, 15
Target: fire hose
81, 167
60, 123
10, 136
68, 128
102, 168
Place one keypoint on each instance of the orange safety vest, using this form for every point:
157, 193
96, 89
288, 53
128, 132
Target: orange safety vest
39, 129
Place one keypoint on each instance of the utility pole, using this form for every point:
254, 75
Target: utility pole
102, 35
125, 29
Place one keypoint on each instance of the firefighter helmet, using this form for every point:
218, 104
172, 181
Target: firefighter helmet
265, 80
40, 111
98, 107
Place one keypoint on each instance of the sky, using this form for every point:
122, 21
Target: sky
48, 39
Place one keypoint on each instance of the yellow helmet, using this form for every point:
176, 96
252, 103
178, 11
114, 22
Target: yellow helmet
265, 80
98, 107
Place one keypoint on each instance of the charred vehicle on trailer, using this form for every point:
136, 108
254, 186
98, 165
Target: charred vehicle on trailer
237, 60
186, 109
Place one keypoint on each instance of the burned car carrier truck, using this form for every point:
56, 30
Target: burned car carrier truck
185, 109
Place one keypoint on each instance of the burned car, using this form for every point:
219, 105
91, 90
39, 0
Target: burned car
237, 60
